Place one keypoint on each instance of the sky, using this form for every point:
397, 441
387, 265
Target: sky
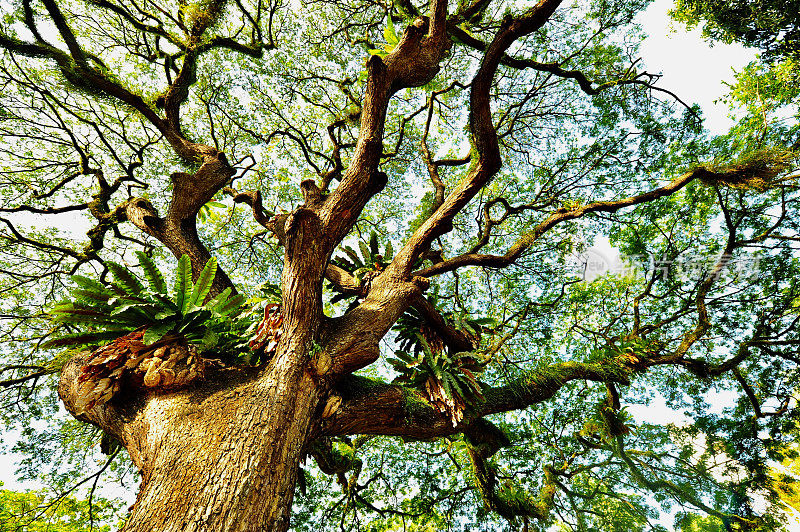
691, 69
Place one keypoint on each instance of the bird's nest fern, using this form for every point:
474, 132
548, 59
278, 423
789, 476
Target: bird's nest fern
156, 335
448, 381
108, 311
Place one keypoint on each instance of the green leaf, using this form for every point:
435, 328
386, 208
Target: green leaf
82, 294
125, 278
203, 285
156, 332
153, 275
80, 339
210, 339
389, 252
163, 301
70, 308
89, 284
365, 254
165, 315
231, 307
194, 320
203, 213
84, 319
397, 364
389, 33
357, 263
405, 357
218, 301
182, 283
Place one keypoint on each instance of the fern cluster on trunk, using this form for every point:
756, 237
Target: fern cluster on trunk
107, 311
157, 336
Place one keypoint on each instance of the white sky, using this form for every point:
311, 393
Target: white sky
694, 71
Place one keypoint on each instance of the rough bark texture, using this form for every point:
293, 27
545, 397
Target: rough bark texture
219, 456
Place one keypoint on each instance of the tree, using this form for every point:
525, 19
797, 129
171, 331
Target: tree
71, 515
771, 25
488, 144
767, 89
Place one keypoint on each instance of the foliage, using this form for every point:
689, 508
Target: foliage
771, 25
448, 381
28, 511
121, 122
110, 310
411, 328
363, 267
390, 35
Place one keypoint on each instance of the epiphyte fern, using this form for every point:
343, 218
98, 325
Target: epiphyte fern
447, 380
107, 311
411, 327
364, 266
157, 335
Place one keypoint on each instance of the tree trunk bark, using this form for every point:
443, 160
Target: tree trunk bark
222, 456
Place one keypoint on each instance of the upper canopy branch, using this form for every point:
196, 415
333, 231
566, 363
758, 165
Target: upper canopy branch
414, 62
92, 76
562, 215
589, 86
190, 190
486, 152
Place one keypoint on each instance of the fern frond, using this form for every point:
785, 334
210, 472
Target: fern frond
151, 272
357, 262
365, 253
125, 278
83, 294
218, 301
82, 317
182, 283
81, 339
88, 284
232, 306
203, 285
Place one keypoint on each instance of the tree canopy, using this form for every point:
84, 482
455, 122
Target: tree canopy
772, 26
388, 212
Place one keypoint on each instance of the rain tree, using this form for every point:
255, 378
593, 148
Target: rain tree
329, 265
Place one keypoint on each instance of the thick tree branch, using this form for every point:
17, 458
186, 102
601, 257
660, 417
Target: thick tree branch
64, 30
178, 235
486, 153
454, 338
372, 407
414, 62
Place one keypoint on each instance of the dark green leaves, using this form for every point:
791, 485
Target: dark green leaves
182, 283
203, 285
125, 278
104, 312
152, 273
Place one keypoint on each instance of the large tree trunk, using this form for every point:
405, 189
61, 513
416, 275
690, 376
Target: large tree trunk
220, 456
